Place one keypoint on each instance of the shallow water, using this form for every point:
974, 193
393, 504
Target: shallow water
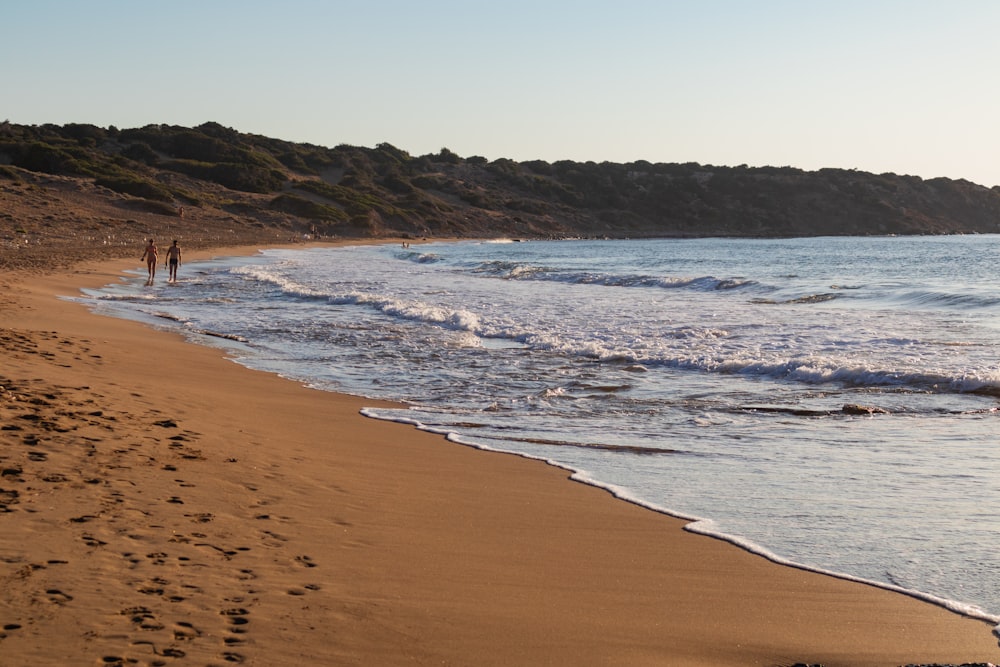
707, 378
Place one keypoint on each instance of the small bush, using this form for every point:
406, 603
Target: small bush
140, 151
307, 209
136, 187
43, 157
448, 157
9, 173
427, 182
158, 207
246, 178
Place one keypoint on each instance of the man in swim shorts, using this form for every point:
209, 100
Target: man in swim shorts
173, 260
150, 256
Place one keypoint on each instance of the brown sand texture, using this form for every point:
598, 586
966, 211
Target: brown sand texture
161, 505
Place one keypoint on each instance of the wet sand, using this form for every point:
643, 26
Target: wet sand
161, 505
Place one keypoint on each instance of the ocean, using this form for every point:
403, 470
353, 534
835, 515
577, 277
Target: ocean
830, 403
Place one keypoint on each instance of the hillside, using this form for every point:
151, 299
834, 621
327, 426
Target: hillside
95, 188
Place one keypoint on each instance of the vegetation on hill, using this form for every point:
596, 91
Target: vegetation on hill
350, 191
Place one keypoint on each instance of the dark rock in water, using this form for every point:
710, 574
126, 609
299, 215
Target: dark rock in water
855, 409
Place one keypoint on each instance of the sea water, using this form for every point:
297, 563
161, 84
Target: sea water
827, 402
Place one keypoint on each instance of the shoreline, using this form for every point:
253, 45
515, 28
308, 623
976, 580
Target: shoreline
692, 524
440, 552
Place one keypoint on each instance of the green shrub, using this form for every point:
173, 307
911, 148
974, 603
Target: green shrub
338, 193
43, 157
307, 209
294, 161
448, 157
398, 184
246, 178
140, 151
136, 187
9, 173
428, 182
83, 133
159, 207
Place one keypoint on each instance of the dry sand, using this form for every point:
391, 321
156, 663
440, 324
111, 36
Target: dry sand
161, 505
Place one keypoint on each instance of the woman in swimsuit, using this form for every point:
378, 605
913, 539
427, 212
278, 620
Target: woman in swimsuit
150, 256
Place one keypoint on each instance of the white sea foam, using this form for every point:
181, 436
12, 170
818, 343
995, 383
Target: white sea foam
286, 285
128, 297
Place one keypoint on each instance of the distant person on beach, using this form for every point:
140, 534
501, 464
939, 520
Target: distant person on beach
173, 261
150, 256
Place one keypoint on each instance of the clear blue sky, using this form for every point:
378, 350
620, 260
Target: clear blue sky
909, 87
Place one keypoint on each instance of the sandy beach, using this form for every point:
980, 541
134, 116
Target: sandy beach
161, 505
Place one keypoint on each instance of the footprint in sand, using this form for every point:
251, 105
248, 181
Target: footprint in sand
8, 497
158, 558
137, 614
237, 618
153, 587
226, 553
9, 627
56, 596
15, 472
143, 618
302, 591
184, 631
92, 541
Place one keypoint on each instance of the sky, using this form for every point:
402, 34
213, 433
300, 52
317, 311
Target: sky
908, 87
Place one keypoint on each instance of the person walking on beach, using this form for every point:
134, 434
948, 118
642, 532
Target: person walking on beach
150, 256
173, 261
